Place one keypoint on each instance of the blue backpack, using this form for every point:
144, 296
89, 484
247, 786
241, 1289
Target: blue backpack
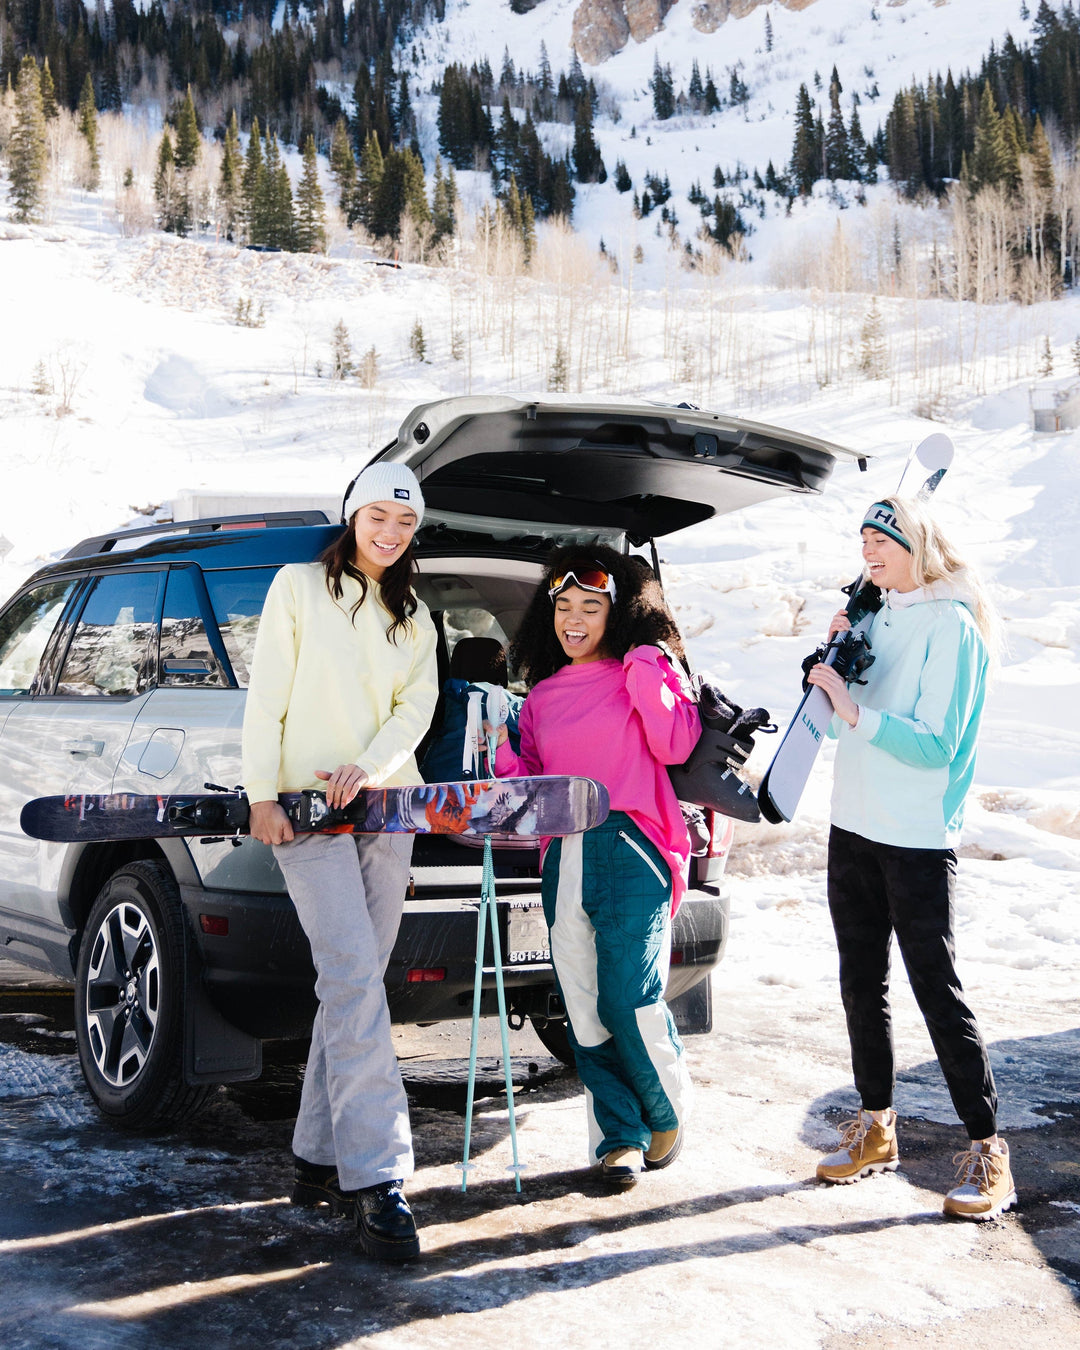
474, 694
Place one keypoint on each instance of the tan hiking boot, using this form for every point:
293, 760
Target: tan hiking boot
986, 1186
621, 1167
664, 1147
866, 1147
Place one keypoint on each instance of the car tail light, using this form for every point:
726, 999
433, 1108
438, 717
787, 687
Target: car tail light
216, 925
678, 956
429, 976
721, 834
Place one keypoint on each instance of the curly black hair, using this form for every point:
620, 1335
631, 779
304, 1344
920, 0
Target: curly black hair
639, 617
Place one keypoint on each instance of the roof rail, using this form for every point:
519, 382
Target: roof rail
108, 543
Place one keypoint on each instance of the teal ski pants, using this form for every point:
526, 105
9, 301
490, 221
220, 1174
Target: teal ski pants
607, 901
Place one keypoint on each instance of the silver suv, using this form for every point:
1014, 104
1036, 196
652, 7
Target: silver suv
123, 667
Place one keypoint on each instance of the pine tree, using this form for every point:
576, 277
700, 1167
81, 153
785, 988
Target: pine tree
230, 195
712, 96
588, 164
857, 149
443, 198
369, 182
558, 375
417, 342
621, 178
49, 105
512, 205
663, 90
343, 168
310, 206
88, 129
1075, 352
506, 139
902, 144
804, 159
768, 32
188, 140
413, 188
26, 149
111, 94
545, 84
873, 354
341, 350
1046, 360
988, 159
401, 189
168, 192
406, 118
837, 148
1041, 158
274, 202
560, 197
1014, 144
251, 191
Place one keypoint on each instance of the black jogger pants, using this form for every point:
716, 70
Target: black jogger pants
874, 891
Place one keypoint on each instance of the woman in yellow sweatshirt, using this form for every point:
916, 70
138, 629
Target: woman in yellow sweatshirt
343, 687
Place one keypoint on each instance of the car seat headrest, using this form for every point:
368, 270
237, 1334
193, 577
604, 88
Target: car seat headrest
479, 660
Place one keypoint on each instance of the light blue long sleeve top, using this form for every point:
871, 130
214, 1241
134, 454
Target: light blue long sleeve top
902, 774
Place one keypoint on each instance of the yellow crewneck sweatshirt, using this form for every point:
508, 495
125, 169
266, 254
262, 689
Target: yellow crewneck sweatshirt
327, 689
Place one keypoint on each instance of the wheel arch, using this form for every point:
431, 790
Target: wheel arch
88, 867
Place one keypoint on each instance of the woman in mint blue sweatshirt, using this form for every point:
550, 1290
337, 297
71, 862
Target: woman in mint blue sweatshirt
904, 764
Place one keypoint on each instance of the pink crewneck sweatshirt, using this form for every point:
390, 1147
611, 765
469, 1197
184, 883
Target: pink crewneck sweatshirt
622, 723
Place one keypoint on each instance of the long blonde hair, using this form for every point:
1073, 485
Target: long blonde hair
934, 559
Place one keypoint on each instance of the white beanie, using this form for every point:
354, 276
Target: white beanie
384, 482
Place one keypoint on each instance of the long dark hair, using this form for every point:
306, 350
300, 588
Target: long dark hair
396, 585
639, 616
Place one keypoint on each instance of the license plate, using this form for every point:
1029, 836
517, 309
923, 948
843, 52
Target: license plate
528, 936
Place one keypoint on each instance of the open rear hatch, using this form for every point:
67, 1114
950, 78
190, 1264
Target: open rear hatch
638, 468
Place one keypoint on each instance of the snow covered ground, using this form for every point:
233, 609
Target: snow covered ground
124, 380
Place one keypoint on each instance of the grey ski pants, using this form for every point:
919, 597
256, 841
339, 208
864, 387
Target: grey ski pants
349, 892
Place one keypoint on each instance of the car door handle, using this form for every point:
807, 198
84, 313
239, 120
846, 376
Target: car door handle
84, 747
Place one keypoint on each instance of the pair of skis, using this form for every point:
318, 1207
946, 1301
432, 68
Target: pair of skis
786, 776
519, 807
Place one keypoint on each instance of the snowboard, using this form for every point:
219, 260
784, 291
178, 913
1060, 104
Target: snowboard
786, 777
508, 807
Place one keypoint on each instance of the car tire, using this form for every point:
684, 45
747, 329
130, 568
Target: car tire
553, 1036
129, 1001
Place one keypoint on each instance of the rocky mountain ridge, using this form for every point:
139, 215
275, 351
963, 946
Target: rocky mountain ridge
601, 28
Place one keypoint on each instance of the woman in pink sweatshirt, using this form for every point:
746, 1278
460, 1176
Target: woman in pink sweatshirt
608, 702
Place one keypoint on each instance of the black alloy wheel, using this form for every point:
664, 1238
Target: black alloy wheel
129, 994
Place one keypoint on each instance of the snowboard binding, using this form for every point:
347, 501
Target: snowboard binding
853, 658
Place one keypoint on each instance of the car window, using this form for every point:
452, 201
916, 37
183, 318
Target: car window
466, 623
237, 597
111, 644
25, 630
185, 654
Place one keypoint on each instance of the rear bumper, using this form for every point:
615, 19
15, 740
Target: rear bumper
260, 976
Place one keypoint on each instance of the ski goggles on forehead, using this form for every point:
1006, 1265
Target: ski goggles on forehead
586, 576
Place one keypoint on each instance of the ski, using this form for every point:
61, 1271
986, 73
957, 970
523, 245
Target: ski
786, 777
502, 807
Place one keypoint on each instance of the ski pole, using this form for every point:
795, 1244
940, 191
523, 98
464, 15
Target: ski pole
488, 916
488, 887
478, 980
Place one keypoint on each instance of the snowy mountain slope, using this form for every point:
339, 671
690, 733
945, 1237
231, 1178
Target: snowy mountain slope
903, 43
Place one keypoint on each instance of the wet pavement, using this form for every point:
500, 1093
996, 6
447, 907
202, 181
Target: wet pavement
187, 1239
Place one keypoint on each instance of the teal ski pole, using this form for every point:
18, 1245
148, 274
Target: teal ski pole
488, 916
